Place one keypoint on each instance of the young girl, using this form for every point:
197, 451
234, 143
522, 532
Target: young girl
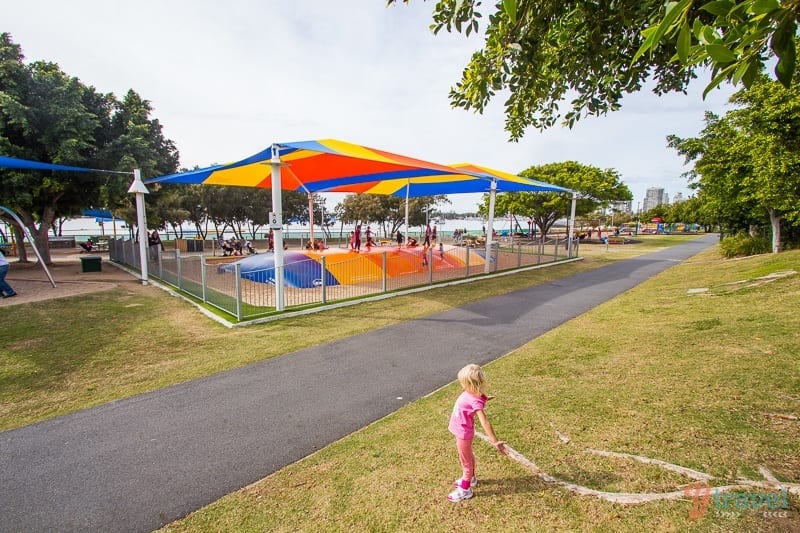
462, 424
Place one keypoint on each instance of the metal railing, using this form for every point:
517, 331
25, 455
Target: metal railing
220, 282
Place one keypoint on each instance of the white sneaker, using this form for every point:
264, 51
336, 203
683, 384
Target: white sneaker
472, 482
459, 494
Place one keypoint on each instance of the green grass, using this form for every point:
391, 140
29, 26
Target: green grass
689, 379
81, 351
656, 372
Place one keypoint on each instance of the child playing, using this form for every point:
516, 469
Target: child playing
462, 424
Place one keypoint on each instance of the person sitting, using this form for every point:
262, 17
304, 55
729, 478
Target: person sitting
248, 246
321, 245
412, 241
87, 246
227, 249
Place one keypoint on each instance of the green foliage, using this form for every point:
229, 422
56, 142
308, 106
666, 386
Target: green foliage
743, 244
46, 115
388, 211
595, 187
542, 53
731, 37
747, 163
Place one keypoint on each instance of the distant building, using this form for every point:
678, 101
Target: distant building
654, 197
621, 207
677, 198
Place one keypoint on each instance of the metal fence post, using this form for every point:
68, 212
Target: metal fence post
429, 251
519, 254
385, 269
237, 283
324, 286
178, 268
555, 250
203, 279
466, 262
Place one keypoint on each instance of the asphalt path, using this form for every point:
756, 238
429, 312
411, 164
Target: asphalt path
139, 463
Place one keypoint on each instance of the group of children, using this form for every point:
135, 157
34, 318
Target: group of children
355, 239
235, 247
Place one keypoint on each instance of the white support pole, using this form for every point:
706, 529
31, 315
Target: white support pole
138, 188
571, 226
311, 218
322, 219
408, 188
490, 228
276, 225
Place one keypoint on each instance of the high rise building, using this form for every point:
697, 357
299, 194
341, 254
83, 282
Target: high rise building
677, 198
653, 197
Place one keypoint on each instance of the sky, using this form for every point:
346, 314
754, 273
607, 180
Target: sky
227, 79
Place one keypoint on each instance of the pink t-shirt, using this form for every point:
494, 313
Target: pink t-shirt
462, 421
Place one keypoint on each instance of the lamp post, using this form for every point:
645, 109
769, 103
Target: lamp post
138, 188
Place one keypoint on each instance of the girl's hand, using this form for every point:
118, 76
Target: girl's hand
501, 447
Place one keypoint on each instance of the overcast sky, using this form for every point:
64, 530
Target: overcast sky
227, 79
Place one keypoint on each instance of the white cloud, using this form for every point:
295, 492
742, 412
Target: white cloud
226, 79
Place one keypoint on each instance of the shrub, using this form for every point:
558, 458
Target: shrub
743, 244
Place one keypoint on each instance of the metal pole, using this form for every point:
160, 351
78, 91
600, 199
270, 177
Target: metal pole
489, 229
33, 243
138, 188
408, 187
571, 228
311, 218
276, 224
324, 286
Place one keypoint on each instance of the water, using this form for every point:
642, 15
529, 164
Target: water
84, 227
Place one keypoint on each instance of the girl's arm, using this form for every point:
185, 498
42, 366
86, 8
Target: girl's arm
487, 427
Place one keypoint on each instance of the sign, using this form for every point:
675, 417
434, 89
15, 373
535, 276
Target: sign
275, 221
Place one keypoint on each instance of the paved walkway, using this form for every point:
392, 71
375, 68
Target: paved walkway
139, 463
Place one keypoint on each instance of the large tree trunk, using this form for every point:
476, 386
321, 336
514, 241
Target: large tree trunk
775, 220
19, 238
39, 233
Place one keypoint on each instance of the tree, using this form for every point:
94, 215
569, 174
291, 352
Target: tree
545, 51
731, 37
388, 211
747, 163
595, 188
45, 115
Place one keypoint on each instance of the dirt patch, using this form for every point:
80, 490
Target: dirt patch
31, 283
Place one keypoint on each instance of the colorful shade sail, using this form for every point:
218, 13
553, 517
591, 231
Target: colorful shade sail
330, 165
24, 164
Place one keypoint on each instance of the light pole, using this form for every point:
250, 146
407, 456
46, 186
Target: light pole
138, 188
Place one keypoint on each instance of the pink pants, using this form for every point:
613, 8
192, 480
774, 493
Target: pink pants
466, 457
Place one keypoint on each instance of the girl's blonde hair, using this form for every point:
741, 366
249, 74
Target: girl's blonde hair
472, 379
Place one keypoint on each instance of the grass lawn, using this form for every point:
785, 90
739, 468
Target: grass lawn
690, 379
694, 380
73, 353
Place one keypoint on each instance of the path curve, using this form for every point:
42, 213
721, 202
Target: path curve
139, 463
